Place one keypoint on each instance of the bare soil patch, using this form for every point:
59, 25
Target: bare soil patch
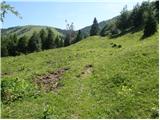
50, 81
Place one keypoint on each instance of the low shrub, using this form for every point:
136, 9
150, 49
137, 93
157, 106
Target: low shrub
114, 45
15, 89
119, 46
119, 80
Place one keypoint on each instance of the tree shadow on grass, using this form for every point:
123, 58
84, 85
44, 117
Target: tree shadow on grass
131, 30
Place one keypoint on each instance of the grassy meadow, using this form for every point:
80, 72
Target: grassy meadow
106, 78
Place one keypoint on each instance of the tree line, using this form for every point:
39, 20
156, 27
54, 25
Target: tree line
46, 39
144, 16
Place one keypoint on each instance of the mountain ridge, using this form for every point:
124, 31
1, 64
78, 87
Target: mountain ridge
85, 30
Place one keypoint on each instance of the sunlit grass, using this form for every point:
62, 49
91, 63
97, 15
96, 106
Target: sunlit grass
123, 83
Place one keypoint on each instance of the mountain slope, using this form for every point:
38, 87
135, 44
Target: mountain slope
26, 30
86, 30
29, 29
102, 80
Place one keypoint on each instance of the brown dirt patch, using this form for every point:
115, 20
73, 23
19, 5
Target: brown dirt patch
50, 81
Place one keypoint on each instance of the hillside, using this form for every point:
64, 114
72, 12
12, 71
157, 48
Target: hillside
26, 30
29, 29
95, 78
86, 30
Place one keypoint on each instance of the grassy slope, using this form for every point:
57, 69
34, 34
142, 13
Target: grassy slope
27, 30
96, 95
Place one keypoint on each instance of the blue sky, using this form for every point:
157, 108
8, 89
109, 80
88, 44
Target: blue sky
55, 12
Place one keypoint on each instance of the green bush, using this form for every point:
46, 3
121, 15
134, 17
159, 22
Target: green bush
119, 80
15, 89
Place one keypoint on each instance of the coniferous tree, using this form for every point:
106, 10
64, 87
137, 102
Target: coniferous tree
12, 45
107, 29
94, 28
146, 10
103, 31
123, 21
34, 43
156, 9
79, 36
57, 42
67, 40
4, 51
61, 41
4, 46
137, 16
145, 6
22, 44
150, 26
113, 29
43, 36
50, 41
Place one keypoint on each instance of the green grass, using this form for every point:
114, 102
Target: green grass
123, 82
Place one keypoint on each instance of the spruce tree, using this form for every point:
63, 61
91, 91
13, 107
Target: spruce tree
12, 45
43, 36
67, 40
79, 36
137, 16
123, 21
104, 31
150, 26
4, 50
22, 44
61, 41
113, 29
4, 46
156, 9
50, 41
34, 43
94, 28
57, 42
146, 10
